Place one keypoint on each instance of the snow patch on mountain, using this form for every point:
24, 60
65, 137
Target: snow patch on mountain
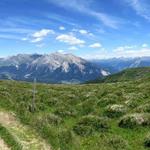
105, 73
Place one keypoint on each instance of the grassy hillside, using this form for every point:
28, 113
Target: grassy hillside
107, 116
126, 75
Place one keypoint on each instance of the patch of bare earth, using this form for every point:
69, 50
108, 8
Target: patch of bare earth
26, 136
3, 146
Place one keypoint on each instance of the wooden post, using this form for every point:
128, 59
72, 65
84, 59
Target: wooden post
34, 92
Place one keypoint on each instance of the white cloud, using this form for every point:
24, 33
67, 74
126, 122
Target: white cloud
144, 45
95, 45
133, 53
72, 48
122, 48
60, 51
24, 39
83, 31
70, 39
40, 35
62, 28
124, 51
36, 40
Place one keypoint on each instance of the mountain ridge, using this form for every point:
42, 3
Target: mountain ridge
114, 65
49, 68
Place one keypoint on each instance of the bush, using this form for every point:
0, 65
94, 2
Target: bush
50, 119
83, 130
110, 99
65, 112
117, 143
52, 102
41, 107
133, 103
90, 123
133, 99
54, 119
115, 110
147, 141
135, 120
65, 139
143, 108
86, 107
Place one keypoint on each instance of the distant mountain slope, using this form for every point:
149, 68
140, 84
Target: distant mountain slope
115, 65
52, 68
126, 75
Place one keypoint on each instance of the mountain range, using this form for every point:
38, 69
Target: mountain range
63, 68
52, 68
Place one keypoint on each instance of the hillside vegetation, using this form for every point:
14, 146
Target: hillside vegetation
106, 116
126, 75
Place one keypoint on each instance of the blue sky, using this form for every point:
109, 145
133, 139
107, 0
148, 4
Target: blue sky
87, 28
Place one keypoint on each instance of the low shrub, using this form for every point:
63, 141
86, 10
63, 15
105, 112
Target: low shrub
135, 120
88, 124
115, 110
83, 130
132, 103
133, 99
52, 102
147, 141
50, 119
65, 139
117, 143
54, 119
143, 108
86, 107
65, 112
110, 99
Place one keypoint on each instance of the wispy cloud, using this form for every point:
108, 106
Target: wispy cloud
84, 7
142, 7
16, 30
14, 33
60, 19
10, 36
